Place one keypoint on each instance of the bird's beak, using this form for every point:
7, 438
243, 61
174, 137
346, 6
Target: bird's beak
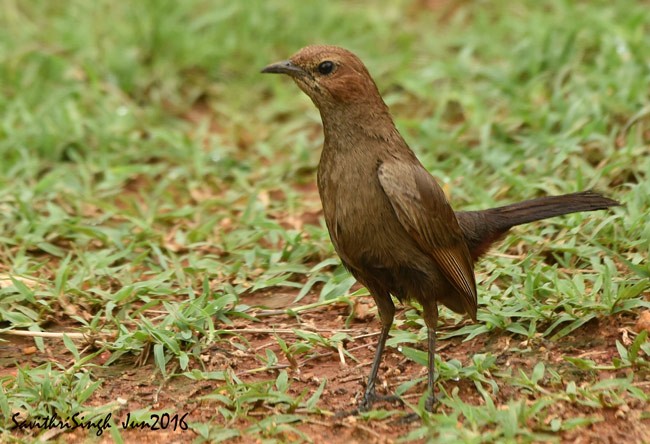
284, 67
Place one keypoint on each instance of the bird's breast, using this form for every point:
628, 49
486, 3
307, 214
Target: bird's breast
359, 217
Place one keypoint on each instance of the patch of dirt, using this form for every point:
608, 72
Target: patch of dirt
136, 388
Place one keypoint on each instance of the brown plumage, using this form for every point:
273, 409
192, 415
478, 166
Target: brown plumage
388, 218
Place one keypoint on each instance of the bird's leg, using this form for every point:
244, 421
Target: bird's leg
432, 368
386, 312
431, 319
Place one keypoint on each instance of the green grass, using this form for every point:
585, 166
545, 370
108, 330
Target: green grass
150, 177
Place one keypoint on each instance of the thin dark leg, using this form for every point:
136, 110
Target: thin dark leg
370, 395
374, 369
386, 312
431, 332
431, 400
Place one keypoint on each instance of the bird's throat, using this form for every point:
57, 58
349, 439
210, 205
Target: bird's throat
350, 127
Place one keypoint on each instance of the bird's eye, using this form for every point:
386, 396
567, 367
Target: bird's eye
326, 67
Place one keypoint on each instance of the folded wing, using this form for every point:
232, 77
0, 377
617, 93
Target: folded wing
422, 209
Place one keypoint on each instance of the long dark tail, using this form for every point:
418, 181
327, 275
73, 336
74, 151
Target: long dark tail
483, 228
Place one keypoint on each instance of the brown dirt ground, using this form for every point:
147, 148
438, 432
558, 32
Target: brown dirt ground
140, 387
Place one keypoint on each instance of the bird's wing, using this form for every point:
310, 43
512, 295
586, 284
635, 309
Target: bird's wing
422, 209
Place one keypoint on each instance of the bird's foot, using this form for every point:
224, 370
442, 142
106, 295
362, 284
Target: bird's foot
371, 398
368, 400
430, 402
429, 405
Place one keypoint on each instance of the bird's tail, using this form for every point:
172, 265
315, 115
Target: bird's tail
519, 213
483, 228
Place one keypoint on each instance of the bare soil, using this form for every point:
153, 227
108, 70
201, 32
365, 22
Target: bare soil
141, 387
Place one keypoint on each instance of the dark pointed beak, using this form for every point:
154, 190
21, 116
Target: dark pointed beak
284, 67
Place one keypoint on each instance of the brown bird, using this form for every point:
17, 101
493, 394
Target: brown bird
388, 218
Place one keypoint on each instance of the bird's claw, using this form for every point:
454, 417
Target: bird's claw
429, 405
430, 402
368, 400
371, 398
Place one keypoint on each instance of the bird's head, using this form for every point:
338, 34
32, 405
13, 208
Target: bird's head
331, 76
